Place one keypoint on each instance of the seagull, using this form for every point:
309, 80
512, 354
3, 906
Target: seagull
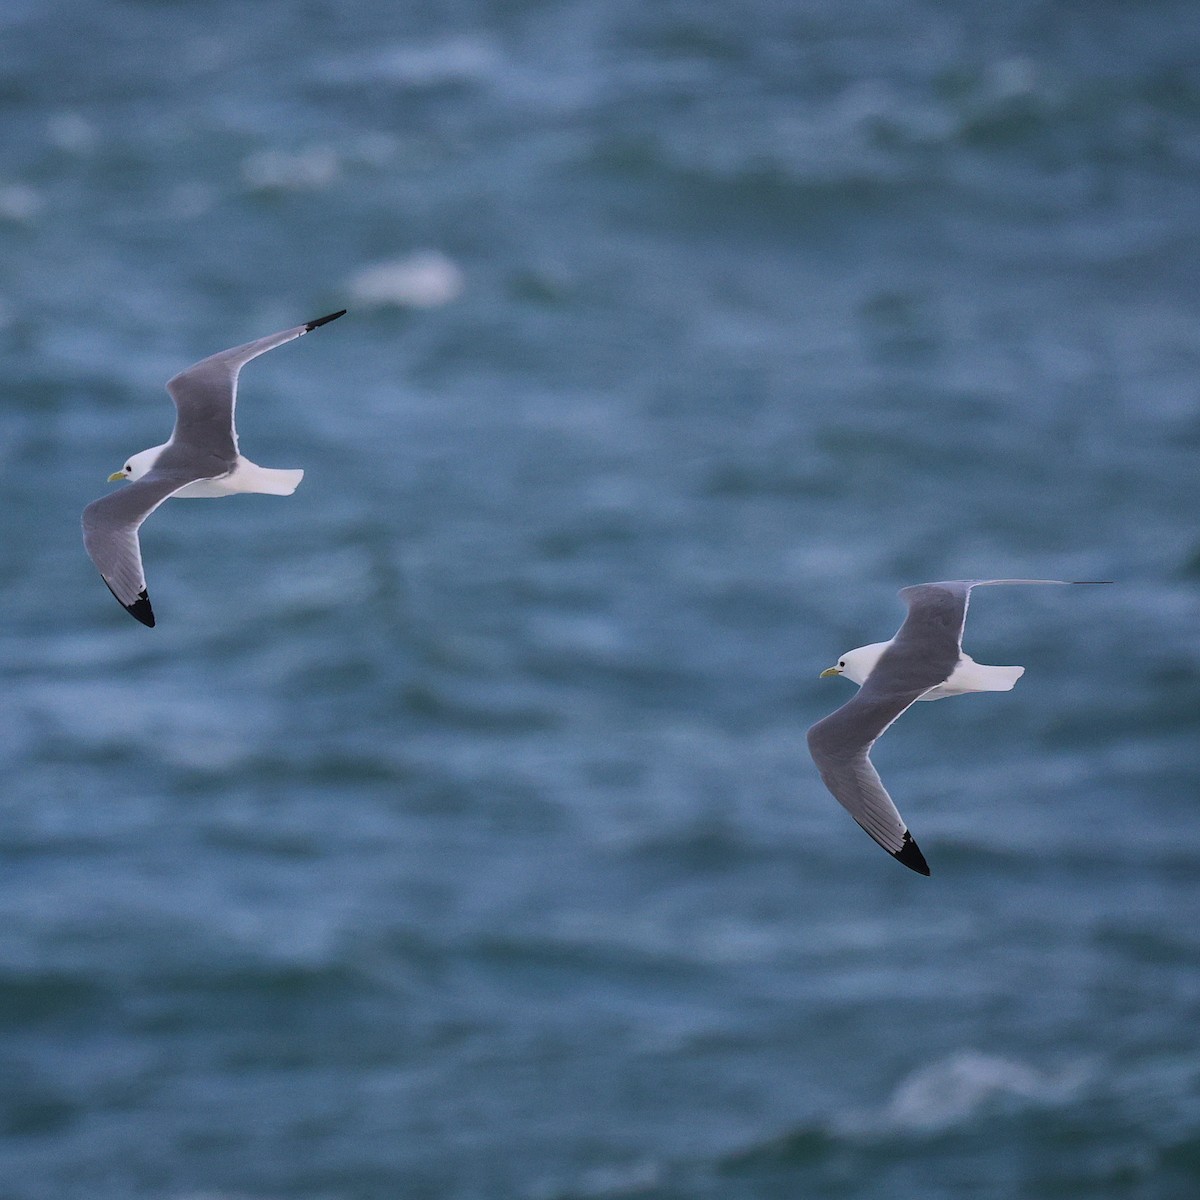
201, 459
924, 661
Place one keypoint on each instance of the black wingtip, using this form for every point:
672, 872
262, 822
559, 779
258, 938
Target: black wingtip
140, 608
910, 855
323, 320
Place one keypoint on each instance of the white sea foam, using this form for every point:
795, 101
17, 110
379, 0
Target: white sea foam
302, 170
596, 1182
425, 279
19, 203
71, 132
958, 1088
453, 60
220, 1196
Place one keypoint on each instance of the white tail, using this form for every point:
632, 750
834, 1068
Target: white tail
277, 482
997, 679
970, 676
250, 477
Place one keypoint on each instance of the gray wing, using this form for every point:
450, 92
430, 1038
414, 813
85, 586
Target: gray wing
938, 611
205, 394
927, 647
110, 534
840, 745
923, 654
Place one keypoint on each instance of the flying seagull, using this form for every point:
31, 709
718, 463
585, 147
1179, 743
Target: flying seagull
924, 661
201, 459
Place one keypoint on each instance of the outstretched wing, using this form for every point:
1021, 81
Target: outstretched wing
930, 640
935, 610
205, 394
110, 535
840, 745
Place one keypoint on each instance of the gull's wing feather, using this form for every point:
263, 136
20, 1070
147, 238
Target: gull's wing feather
935, 608
840, 745
110, 534
205, 394
927, 647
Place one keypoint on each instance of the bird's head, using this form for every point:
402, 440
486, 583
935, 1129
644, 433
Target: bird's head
856, 665
137, 466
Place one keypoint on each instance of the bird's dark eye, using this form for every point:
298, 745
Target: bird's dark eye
842, 663
128, 467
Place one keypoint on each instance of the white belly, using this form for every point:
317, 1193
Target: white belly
203, 488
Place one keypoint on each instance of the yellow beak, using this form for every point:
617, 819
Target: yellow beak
115, 476
825, 674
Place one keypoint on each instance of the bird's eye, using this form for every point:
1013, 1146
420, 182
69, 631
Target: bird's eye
128, 467
842, 664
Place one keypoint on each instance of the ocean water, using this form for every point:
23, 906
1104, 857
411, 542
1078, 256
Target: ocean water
453, 836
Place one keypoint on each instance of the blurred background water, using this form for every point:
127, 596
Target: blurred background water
453, 835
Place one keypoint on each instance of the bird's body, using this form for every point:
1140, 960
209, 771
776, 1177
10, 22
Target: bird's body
924, 661
967, 676
243, 476
201, 460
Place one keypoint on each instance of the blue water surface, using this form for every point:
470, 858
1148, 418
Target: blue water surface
453, 835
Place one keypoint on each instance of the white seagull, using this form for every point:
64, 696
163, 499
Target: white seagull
201, 459
924, 661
